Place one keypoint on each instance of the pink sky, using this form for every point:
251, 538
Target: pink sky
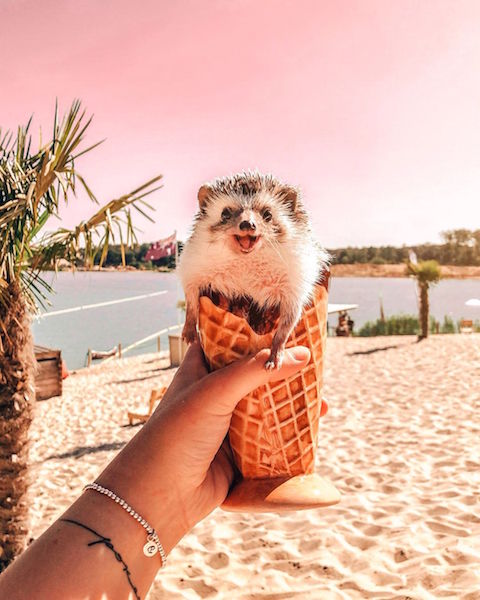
371, 107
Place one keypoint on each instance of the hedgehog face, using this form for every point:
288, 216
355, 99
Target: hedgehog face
248, 211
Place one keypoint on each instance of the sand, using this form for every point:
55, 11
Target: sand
400, 442
398, 270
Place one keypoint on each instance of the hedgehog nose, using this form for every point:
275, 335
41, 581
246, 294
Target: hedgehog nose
246, 225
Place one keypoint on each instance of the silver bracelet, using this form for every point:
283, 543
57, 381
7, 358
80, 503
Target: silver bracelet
153, 544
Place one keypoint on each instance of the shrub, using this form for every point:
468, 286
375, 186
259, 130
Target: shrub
448, 325
408, 325
394, 325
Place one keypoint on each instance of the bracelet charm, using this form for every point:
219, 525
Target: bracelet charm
153, 544
150, 548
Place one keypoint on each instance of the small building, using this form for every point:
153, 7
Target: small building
48, 377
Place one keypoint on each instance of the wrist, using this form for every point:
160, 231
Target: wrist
137, 476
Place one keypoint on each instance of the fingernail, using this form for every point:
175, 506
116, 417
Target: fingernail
299, 354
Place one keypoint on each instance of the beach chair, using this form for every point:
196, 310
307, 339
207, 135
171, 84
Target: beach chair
466, 326
155, 396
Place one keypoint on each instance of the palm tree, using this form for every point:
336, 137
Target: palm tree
33, 184
426, 272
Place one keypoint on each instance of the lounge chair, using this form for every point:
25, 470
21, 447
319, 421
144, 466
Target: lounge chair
466, 326
155, 396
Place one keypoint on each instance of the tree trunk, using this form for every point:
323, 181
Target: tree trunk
17, 394
424, 311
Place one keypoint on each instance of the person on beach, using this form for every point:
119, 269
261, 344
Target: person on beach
175, 471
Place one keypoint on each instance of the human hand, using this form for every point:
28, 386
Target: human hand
196, 413
174, 472
181, 459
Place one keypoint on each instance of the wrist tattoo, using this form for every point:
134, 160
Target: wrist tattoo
108, 543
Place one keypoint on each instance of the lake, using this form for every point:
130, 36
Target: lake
104, 327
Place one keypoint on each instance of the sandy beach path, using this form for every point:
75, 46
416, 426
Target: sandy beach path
400, 442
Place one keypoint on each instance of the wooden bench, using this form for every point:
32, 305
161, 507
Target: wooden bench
466, 326
48, 377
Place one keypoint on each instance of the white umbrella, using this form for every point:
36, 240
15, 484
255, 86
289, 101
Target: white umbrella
473, 302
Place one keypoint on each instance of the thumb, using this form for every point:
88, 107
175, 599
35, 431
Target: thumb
226, 387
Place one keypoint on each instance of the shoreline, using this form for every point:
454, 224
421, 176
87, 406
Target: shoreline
398, 270
364, 270
127, 269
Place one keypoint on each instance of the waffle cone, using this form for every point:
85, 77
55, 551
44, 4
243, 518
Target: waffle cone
274, 430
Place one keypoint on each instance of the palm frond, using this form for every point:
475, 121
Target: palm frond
82, 244
33, 183
426, 272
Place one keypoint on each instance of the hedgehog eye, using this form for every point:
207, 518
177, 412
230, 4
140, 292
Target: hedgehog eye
226, 214
267, 215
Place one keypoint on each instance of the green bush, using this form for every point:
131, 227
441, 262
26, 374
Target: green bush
408, 325
448, 325
394, 325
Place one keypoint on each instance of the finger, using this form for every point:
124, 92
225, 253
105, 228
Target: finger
221, 473
227, 449
192, 368
225, 452
224, 388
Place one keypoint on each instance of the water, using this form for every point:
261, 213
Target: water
400, 297
104, 327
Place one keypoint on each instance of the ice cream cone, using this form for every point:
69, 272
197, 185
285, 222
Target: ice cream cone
274, 430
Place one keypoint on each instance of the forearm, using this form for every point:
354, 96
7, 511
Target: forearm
174, 472
61, 564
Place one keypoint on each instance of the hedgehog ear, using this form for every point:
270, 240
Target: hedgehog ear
290, 198
203, 195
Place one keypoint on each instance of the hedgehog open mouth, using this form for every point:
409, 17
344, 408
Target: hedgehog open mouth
247, 242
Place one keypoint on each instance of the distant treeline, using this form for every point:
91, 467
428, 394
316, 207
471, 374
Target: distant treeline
135, 257
460, 247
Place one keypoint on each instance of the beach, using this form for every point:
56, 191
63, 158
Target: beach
399, 270
400, 442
